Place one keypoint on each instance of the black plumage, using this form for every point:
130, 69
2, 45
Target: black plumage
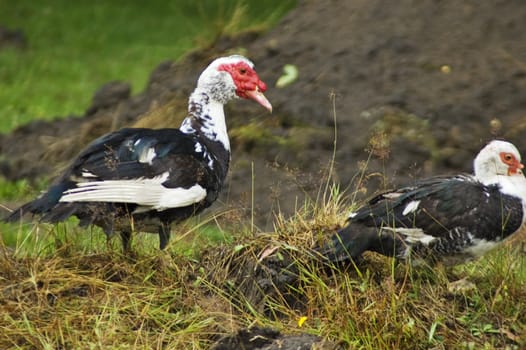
457, 217
117, 156
138, 179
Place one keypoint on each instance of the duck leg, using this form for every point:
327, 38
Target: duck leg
164, 235
126, 240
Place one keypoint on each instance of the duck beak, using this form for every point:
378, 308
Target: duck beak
258, 96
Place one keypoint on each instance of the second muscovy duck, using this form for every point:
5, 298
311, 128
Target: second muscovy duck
138, 179
448, 218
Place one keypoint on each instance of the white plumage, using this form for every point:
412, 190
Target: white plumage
145, 192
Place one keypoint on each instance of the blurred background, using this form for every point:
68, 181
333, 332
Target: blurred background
372, 93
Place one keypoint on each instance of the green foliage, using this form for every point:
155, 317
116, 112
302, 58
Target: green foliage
73, 47
26, 238
17, 190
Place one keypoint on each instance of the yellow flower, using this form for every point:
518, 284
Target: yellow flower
302, 320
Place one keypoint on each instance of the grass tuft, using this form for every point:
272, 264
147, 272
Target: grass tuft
66, 292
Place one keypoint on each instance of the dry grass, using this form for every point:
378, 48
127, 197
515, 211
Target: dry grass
78, 293
164, 300
103, 301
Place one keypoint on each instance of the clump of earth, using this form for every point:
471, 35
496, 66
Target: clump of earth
390, 91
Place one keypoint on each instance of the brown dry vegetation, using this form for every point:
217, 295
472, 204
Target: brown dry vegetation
71, 297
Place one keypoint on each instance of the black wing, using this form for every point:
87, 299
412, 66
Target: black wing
135, 153
440, 205
127, 154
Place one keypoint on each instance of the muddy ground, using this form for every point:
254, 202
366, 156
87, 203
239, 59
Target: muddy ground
417, 85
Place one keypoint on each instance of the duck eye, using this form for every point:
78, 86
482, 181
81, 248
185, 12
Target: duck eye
508, 157
242, 70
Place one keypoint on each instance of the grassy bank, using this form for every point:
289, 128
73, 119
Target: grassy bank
69, 294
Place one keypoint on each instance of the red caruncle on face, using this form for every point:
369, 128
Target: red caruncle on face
245, 78
514, 165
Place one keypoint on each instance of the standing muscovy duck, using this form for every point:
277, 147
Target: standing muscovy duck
444, 218
137, 179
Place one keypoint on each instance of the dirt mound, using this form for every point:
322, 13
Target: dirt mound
419, 85
257, 338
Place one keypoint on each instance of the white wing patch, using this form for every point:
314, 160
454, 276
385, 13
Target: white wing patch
85, 173
148, 193
392, 195
411, 207
353, 214
412, 235
147, 156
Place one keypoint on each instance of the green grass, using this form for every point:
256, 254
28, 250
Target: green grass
28, 239
76, 46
